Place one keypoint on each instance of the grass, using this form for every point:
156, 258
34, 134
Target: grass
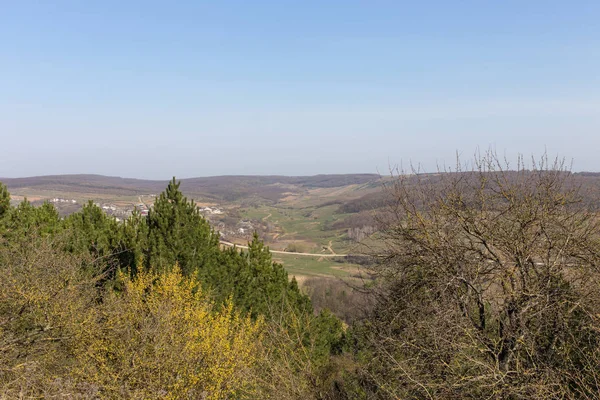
313, 266
307, 224
310, 227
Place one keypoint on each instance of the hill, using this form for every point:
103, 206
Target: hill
227, 188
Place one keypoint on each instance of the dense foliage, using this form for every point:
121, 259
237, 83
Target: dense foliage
149, 308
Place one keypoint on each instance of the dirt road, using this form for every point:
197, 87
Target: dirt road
286, 252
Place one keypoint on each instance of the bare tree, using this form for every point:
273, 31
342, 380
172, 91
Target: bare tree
488, 285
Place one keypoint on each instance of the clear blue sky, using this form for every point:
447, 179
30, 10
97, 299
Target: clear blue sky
193, 88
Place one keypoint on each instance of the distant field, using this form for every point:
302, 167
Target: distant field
307, 222
314, 266
308, 227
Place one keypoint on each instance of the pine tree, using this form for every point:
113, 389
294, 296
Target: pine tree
133, 236
19, 222
91, 230
47, 218
4, 200
178, 233
267, 285
257, 284
25, 221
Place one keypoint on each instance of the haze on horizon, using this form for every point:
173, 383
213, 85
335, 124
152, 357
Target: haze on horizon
154, 89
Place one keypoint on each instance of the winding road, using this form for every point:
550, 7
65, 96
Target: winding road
229, 244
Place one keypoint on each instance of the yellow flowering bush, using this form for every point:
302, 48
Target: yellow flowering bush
161, 338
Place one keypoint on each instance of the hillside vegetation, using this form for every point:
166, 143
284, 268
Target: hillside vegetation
478, 283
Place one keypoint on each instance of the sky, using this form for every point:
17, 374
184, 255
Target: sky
200, 88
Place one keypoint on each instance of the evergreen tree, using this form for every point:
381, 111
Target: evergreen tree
47, 218
258, 285
92, 231
178, 233
118, 246
266, 285
25, 219
133, 235
4, 200
19, 221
